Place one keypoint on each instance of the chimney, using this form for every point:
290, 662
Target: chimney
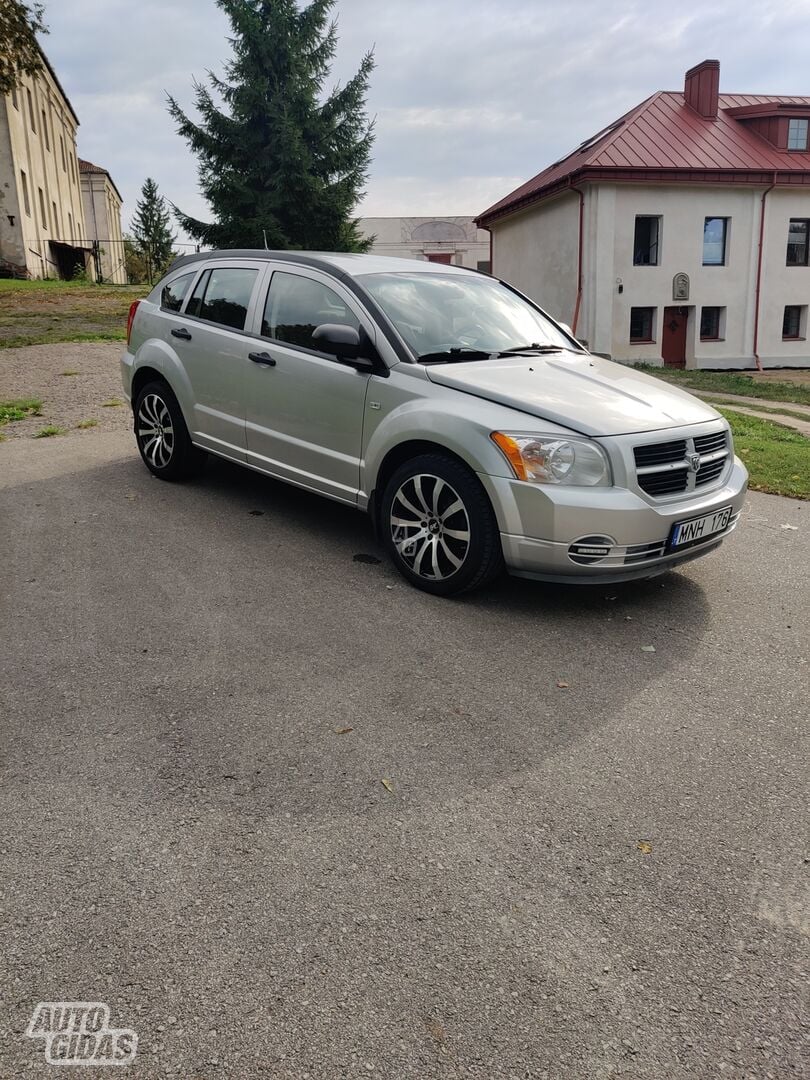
702, 87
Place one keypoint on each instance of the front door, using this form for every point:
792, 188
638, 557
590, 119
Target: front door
445, 258
673, 337
304, 409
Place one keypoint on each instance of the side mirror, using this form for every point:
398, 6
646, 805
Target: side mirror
341, 341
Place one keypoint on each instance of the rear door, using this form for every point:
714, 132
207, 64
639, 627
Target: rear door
304, 409
213, 347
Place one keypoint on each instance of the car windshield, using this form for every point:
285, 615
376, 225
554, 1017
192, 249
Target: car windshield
461, 316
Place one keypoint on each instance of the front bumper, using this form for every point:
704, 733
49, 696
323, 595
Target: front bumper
539, 523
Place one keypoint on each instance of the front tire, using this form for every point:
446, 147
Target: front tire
162, 436
438, 526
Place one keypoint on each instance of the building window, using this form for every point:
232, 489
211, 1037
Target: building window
712, 320
31, 115
645, 241
485, 266
797, 135
26, 200
641, 325
794, 322
55, 222
62, 153
42, 210
797, 241
14, 101
70, 225
45, 130
715, 231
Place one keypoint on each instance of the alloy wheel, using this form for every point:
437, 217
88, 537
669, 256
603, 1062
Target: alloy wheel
430, 527
155, 431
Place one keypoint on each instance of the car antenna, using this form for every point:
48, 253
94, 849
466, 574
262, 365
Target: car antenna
264, 234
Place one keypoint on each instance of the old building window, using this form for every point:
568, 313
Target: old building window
712, 320
45, 130
645, 241
642, 321
715, 232
62, 153
14, 100
26, 200
797, 245
43, 215
31, 114
794, 322
485, 266
55, 221
70, 225
797, 135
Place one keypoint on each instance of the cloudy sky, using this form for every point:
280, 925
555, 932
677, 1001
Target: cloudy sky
471, 97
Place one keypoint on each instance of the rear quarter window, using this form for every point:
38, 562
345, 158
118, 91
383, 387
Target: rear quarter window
173, 294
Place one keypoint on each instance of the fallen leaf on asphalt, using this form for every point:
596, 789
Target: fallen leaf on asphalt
795, 528
645, 847
343, 730
562, 685
386, 783
648, 648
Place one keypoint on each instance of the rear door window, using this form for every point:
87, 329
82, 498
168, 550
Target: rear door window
223, 296
297, 305
173, 294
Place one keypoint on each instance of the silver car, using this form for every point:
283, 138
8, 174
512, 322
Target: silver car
476, 431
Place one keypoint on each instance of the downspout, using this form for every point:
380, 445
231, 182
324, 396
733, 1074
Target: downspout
765, 194
578, 304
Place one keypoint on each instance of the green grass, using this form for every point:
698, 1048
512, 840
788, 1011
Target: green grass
19, 409
113, 403
48, 432
731, 382
82, 424
45, 312
794, 413
777, 458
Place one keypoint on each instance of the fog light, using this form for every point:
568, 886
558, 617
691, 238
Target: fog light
590, 549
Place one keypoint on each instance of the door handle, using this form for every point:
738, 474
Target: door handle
262, 358
182, 333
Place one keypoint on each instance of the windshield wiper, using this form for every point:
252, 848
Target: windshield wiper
533, 349
456, 355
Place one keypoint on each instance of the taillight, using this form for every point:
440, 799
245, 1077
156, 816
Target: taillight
133, 307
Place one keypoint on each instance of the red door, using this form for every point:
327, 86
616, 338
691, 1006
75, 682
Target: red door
447, 259
673, 337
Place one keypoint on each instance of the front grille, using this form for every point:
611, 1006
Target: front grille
709, 444
671, 468
664, 483
710, 471
659, 453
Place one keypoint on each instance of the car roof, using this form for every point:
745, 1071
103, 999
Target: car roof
346, 263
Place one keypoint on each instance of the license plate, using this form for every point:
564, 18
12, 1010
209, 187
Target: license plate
697, 529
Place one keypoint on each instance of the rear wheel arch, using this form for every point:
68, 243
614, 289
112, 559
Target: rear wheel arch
143, 376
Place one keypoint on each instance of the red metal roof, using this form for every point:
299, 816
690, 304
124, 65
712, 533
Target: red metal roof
663, 138
89, 167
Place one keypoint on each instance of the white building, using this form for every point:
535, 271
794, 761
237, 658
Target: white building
43, 229
456, 241
679, 235
102, 212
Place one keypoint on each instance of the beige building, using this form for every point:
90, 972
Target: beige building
102, 212
456, 241
678, 235
43, 226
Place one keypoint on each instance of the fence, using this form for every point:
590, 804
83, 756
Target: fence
104, 262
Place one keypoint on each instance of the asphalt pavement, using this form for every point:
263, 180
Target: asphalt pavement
290, 818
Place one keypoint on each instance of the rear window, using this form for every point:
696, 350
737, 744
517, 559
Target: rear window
173, 294
223, 296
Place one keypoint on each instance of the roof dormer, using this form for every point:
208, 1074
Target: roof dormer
785, 124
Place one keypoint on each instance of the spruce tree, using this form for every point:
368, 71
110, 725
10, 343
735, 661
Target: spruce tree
280, 161
150, 230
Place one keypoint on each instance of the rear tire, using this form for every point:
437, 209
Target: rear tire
438, 526
162, 436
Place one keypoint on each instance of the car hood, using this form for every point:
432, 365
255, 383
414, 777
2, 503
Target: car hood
577, 391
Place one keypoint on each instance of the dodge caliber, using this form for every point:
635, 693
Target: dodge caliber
475, 430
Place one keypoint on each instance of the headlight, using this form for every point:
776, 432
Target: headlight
551, 460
